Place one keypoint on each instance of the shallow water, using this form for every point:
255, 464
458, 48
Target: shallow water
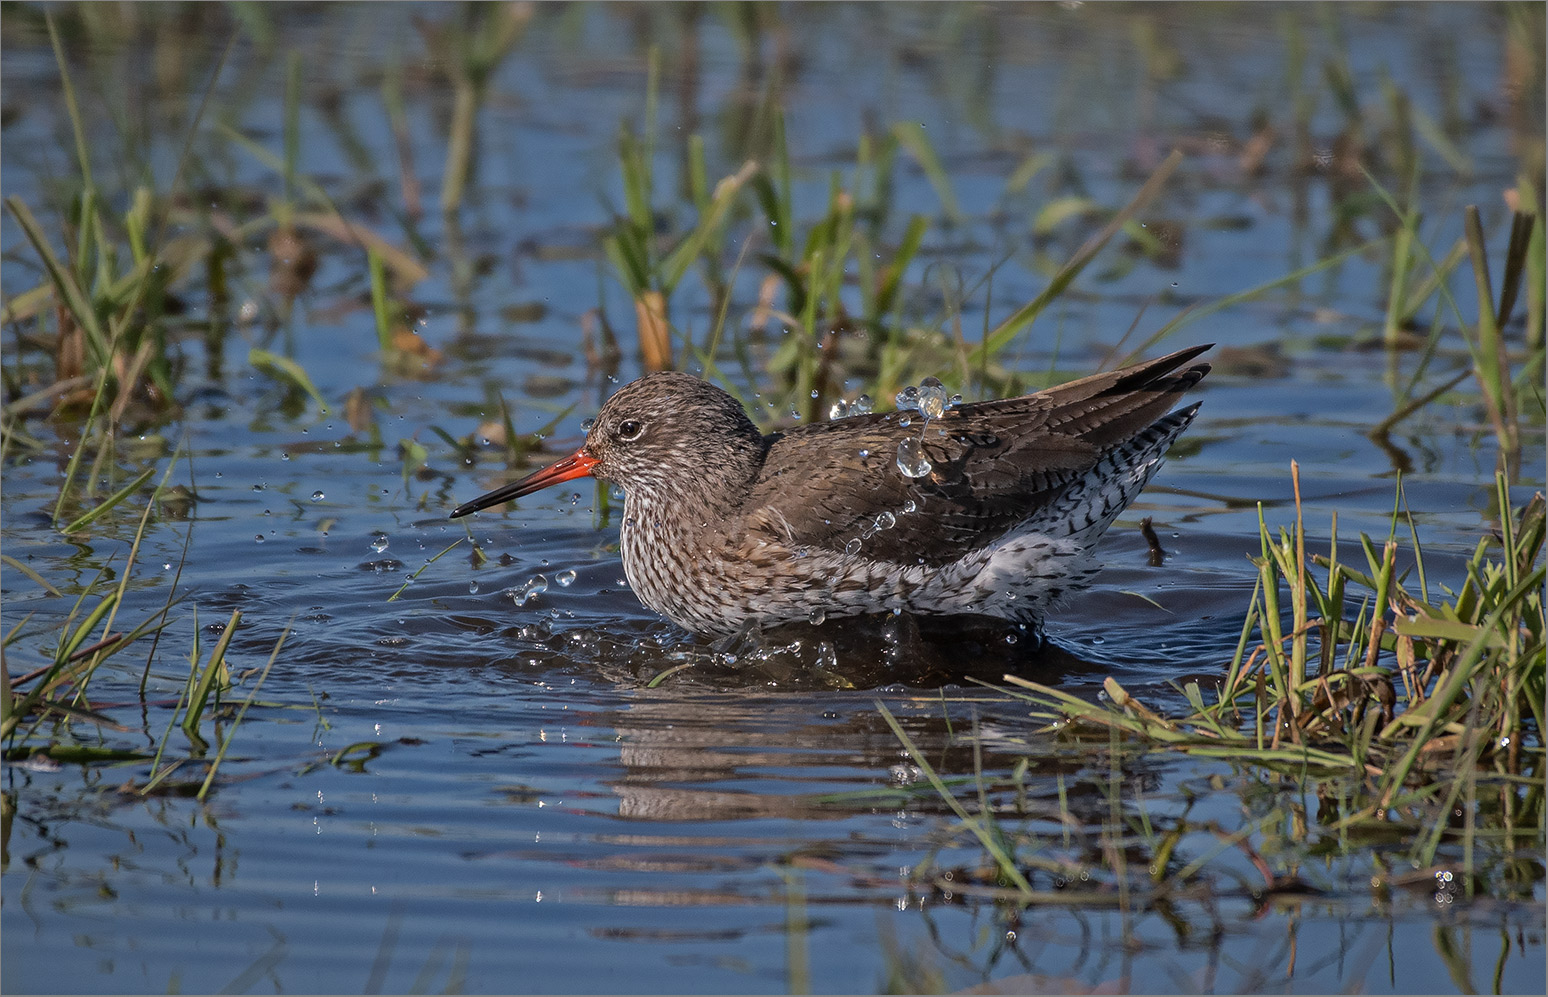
530, 815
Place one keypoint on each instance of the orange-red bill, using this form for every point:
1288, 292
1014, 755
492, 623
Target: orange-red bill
577, 465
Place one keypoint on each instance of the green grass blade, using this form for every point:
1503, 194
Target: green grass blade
378, 272
214, 671
410, 580
991, 844
236, 721
1018, 320
288, 370
65, 285
86, 519
33, 575
911, 136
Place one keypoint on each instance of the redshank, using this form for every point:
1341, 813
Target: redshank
987, 508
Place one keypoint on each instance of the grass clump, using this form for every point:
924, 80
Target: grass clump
836, 287
1411, 713
53, 713
1413, 690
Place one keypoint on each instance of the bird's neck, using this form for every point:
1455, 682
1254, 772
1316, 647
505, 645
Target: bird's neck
703, 496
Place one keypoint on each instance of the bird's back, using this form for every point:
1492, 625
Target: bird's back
1071, 454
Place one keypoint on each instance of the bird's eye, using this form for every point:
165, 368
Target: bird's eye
630, 430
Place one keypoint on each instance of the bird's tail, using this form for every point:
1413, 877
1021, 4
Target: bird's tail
1088, 507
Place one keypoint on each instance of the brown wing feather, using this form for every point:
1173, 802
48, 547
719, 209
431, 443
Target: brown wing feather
994, 463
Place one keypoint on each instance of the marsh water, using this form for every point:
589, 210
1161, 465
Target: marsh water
501, 773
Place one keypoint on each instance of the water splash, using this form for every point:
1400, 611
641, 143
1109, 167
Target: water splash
536, 585
911, 459
842, 409
929, 399
932, 398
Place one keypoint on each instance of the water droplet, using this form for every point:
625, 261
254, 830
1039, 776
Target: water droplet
907, 400
852, 548
816, 393
817, 616
909, 506
956, 400
905, 422
911, 459
318, 496
473, 588
378, 542
1011, 638
586, 425
536, 585
839, 410
862, 405
284, 456
826, 656
865, 453
257, 488
259, 538
886, 521
565, 578
932, 398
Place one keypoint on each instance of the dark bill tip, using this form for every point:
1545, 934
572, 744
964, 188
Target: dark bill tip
577, 465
